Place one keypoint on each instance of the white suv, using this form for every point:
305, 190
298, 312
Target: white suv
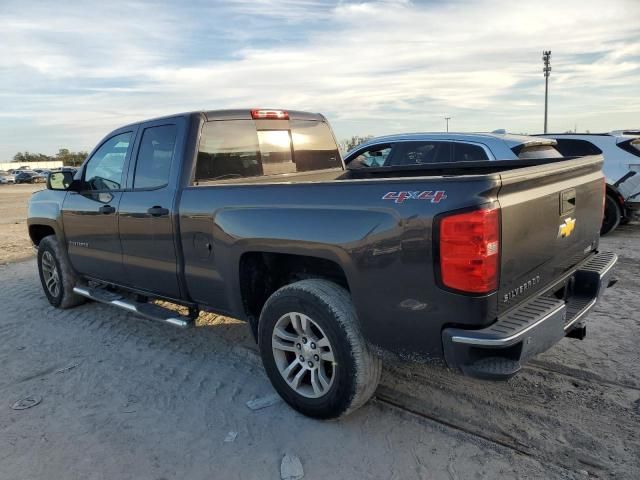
6, 177
621, 151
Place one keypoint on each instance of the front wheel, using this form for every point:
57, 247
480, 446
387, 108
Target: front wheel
313, 351
57, 275
612, 215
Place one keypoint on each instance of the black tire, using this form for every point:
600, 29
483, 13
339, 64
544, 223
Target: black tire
612, 215
357, 368
62, 297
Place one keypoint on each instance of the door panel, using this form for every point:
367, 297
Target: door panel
92, 236
148, 246
146, 212
90, 217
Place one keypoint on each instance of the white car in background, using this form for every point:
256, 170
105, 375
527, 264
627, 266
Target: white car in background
6, 177
621, 151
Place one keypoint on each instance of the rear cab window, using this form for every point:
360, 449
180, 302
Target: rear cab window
233, 150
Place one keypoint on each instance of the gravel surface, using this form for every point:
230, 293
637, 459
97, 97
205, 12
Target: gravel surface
14, 239
102, 394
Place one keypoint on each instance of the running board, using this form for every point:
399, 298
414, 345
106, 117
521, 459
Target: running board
147, 310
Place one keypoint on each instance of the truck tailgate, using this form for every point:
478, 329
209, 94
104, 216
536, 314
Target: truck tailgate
551, 217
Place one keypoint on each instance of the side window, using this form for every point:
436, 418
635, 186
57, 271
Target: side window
372, 157
416, 153
228, 149
154, 156
570, 147
466, 152
104, 170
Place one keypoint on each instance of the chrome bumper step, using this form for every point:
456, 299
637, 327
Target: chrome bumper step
499, 350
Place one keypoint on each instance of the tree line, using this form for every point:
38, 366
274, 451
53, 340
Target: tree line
350, 143
67, 157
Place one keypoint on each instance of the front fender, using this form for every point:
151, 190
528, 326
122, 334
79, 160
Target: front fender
45, 209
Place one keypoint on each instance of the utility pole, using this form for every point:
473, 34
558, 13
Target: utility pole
546, 58
447, 120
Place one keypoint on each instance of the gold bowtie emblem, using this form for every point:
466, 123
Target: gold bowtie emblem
567, 227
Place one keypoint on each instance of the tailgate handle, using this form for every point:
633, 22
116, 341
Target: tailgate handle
567, 201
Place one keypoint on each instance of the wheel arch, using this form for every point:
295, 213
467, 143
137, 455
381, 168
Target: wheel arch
38, 231
261, 273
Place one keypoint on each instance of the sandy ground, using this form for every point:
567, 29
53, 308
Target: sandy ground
122, 397
14, 239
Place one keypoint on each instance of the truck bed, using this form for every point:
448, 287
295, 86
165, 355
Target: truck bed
386, 248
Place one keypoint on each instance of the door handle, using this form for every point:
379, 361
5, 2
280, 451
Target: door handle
106, 209
157, 211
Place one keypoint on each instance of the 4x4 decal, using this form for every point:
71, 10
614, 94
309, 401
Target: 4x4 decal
400, 197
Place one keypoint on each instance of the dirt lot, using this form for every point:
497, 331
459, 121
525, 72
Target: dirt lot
14, 240
123, 397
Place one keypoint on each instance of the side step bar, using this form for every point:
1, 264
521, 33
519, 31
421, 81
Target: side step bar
147, 310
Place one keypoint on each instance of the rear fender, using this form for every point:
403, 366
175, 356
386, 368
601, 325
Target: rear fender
301, 231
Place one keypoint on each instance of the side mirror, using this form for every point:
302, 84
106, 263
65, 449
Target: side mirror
60, 180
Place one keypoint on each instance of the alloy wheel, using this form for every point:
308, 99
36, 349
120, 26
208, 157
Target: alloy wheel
50, 274
303, 355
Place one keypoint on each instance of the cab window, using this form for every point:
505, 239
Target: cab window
228, 149
154, 157
105, 168
314, 146
232, 150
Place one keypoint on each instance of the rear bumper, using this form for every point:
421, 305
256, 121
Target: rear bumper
499, 350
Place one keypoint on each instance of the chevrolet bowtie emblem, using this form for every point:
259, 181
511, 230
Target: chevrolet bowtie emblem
566, 228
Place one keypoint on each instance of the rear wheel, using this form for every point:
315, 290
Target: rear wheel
56, 275
612, 215
313, 352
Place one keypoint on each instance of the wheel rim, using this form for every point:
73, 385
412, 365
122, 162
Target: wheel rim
303, 355
50, 274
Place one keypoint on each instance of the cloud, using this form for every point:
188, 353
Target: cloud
72, 71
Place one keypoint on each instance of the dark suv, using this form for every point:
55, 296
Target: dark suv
30, 177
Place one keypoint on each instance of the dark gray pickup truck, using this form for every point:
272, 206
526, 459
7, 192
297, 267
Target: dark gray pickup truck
480, 261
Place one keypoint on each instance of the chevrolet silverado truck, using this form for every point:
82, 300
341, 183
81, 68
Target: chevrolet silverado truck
480, 250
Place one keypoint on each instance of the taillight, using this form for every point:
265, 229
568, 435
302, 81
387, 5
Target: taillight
258, 114
470, 250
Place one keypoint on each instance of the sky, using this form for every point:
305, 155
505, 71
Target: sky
71, 71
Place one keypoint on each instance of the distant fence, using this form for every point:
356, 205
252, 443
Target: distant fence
49, 164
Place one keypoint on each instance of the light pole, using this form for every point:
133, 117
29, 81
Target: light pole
447, 120
546, 58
